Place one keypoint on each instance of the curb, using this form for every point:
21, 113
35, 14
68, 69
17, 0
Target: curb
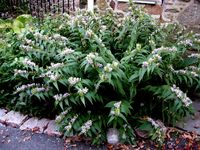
24, 122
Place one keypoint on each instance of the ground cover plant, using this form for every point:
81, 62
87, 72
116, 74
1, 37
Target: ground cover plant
101, 70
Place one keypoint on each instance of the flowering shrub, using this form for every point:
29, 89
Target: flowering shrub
105, 70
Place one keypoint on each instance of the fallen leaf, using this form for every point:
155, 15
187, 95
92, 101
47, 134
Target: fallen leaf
35, 129
110, 147
187, 136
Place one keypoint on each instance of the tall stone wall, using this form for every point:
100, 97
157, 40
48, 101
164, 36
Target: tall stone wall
186, 12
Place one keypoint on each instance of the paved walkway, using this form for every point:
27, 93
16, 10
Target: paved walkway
15, 139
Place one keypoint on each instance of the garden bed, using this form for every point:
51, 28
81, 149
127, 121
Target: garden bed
101, 70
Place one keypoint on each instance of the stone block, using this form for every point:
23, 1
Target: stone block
35, 125
2, 113
52, 129
153, 9
122, 6
14, 119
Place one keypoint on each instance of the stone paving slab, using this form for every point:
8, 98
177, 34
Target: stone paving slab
2, 113
52, 129
35, 125
192, 124
14, 119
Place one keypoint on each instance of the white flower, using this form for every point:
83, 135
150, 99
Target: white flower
66, 51
74, 119
57, 65
27, 62
54, 77
27, 48
108, 68
164, 49
68, 127
99, 65
87, 125
115, 64
27, 86
58, 118
153, 123
21, 72
187, 42
182, 96
103, 77
73, 80
112, 112
194, 56
118, 104
145, 64
83, 91
29, 42
157, 57
194, 74
60, 97
90, 57
89, 33
38, 89
38, 35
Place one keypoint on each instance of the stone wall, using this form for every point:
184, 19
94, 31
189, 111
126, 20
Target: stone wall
186, 12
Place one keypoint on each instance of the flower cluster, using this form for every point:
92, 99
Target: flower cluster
90, 57
164, 49
159, 127
60, 97
69, 126
186, 101
89, 33
20, 72
83, 91
155, 58
187, 42
187, 71
38, 90
27, 86
38, 35
116, 110
108, 68
28, 62
103, 77
27, 48
87, 125
194, 56
55, 37
193, 68
153, 123
66, 51
29, 41
50, 74
55, 66
73, 80
62, 115
59, 37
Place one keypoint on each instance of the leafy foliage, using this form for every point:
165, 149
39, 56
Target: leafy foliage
102, 70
